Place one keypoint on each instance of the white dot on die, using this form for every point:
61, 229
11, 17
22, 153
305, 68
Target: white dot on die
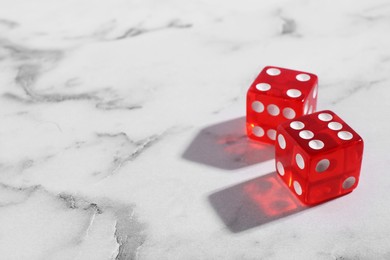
297, 125
257, 106
263, 86
271, 134
325, 117
344, 135
273, 72
322, 165
281, 141
297, 188
280, 168
300, 161
306, 134
335, 125
315, 91
258, 131
273, 110
302, 77
349, 182
288, 113
316, 144
294, 93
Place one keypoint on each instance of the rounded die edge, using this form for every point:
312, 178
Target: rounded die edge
271, 67
285, 138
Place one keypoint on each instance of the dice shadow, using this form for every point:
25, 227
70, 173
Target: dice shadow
225, 145
255, 203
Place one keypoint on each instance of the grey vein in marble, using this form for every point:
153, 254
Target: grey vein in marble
122, 129
129, 232
137, 31
37, 62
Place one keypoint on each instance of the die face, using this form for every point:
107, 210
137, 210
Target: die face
261, 132
285, 83
277, 95
272, 110
326, 168
283, 159
322, 132
322, 191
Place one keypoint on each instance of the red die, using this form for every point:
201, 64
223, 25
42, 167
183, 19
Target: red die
275, 96
318, 156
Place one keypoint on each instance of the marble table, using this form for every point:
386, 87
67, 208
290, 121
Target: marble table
122, 128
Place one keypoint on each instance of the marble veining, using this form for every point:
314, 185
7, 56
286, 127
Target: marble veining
122, 129
91, 222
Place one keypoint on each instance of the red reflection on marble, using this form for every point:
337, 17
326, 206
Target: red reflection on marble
272, 196
255, 202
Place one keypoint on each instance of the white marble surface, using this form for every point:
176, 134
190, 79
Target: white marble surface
121, 128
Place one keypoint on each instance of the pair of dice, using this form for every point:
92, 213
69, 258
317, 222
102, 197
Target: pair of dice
317, 154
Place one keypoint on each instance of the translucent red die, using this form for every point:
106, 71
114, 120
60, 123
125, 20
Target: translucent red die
318, 156
277, 95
